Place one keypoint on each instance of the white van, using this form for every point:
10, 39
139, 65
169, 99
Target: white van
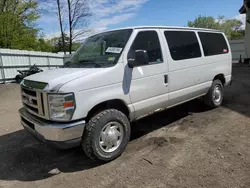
119, 76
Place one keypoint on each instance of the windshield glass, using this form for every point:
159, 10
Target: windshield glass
101, 50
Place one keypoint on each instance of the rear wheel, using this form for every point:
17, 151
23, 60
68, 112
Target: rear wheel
214, 97
106, 135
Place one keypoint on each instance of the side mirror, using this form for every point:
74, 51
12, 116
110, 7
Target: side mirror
141, 58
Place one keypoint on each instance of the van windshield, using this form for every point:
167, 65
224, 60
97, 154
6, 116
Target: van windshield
101, 50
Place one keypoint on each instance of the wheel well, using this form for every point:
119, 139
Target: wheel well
220, 77
112, 104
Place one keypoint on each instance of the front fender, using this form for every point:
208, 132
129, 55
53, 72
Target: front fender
87, 99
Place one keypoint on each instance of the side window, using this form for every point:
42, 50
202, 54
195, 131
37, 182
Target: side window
149, 41
183, 44
213, 43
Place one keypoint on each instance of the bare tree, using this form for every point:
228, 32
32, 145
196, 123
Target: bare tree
78, 12
61, 24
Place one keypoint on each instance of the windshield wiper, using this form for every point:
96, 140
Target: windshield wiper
88, 62
69, 64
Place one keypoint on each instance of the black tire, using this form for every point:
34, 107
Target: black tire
93, 129
18, 79
210, 99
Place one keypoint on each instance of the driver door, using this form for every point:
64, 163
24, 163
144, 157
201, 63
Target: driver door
148, 84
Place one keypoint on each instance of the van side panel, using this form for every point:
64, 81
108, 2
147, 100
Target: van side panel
217, 64
185, 76
143, 90
146, 86
191, 78
88, 99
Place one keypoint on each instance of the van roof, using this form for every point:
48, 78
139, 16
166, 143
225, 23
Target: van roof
168, 27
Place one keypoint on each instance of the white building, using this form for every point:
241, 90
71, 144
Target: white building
245, 9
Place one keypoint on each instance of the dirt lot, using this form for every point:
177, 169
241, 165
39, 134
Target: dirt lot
187, 146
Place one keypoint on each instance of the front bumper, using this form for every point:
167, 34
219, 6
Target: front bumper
59, 135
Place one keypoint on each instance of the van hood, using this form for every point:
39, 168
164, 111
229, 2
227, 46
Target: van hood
56, 78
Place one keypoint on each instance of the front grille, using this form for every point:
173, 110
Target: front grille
29, 92
31, 125
34, 101
31, 108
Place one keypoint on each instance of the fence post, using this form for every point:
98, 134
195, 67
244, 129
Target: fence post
2, 69
48, 62
29, 60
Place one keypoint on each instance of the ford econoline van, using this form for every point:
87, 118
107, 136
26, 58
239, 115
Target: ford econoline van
119, 76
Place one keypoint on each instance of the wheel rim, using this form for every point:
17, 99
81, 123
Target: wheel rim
217, 94
111, 136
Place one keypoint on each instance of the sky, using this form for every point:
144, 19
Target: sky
126, 13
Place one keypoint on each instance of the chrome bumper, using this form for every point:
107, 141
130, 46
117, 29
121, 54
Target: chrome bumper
60, 135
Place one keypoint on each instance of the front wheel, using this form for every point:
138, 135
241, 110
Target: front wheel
214, 97
106, 135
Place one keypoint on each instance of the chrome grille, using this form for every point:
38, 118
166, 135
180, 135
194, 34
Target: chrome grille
35, 101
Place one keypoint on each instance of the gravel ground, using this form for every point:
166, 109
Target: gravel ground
186, 146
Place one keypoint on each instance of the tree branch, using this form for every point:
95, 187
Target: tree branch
80, 33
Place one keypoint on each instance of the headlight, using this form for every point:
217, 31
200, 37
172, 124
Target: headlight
61, 106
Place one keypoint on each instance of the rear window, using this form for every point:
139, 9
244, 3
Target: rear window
183, 44
213, 43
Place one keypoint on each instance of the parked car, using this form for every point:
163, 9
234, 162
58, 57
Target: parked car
119, 76
24, 73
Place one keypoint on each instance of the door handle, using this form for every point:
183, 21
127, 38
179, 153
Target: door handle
166, 80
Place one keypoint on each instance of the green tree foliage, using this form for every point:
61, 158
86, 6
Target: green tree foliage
57, 44
18, 29
231, 27
75, 46
237, 35
44, 45
17, 23
204, 22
